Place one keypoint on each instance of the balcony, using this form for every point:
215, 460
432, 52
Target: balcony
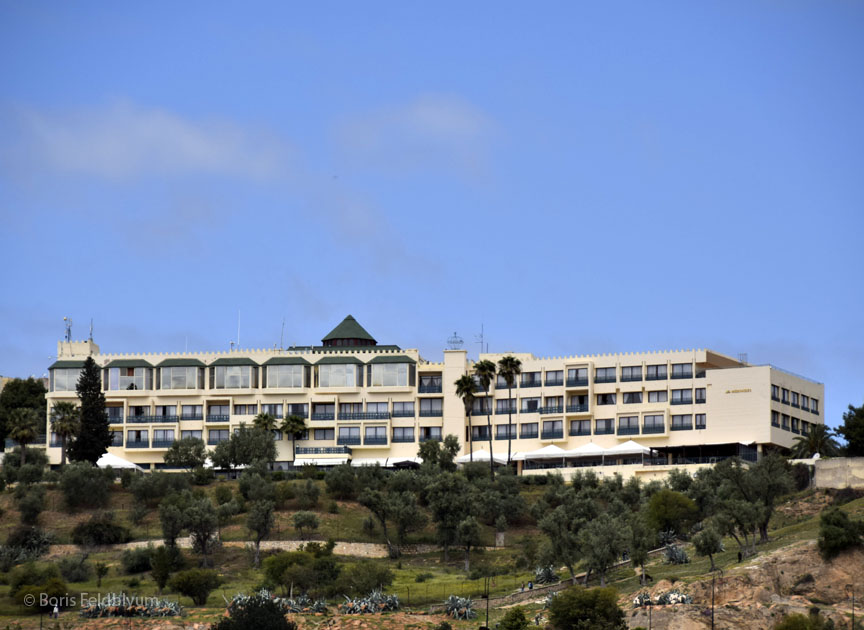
577, 382
191, 416
681, 427
432, 413
401, 440
604, 430
631, 379
348, 441
505, 437
429, 389
218, 418
115, 418
605, 379
162, 443
139, 419
552, 435
628, 430
649, 429
656, 377
479, 438
505, 412
537, 383
375, 441
528, 435
141, 444
323, 450
534, 410
403, 414
429, 438
583, 408
554, 382
166, 418
365, 415
681, 376
686, 401
215, 441
302, 414
39, 440
574, 432
324, 416
553, 409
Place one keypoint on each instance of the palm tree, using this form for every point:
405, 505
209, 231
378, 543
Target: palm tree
509, 368
294, 426
265, 421
65, 422
485, 372
23, 427
819, 440
465, 389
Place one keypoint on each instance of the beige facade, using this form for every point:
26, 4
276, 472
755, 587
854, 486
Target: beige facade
363, 403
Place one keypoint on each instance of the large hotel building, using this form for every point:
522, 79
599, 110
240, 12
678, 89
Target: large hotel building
640, 413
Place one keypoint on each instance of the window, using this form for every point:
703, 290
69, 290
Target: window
814, 405
577, 376
505, 431
655, 373
554, 378
604, 375
577, 403
530, 379
129, 378
431, 407
277, 435
580, 427
348, 435
605, 399
632, 398
660, 396
180, 378
285, 376
190, 434
775, 393
137, 438
805, 427
377, 407
430, 384
775, 418
654, 423
682, 370
785, 424
682, 396
115, 414
245, 410
215, 436
505, 405
553, 429
389, 375
480, 433
403, 434
554, 402
139, 411
528, 430
682, 422
375, 435
349, 409
628, 425
163, 437
700, 395
218, 412
785, 396
430, 433
700, 421
116, 438
796, 426
403, 410
274, 409
64, 379
481, 407
632, 373
231, 377
339, 375
805, 402
530, 405
166, 411
323, 411
604, 427
795, 399
324, 434
192, 412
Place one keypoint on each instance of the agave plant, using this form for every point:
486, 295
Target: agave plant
374, 602
545, 575
674, 597
459, 607
675, 554
302, 604
121, 605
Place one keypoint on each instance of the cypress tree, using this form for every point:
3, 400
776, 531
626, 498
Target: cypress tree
94, 437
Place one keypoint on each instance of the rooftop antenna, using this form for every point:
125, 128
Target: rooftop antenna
742, 357
232, 345
68, 325
238, 328
455, 342
282, 334
481, 339
91, 329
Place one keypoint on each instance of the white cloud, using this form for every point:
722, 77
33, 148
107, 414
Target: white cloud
125, 141
432, 131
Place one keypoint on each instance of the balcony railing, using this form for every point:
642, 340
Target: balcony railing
141, 444
577, 382
479, 438
700, 401
428, 438
302, 414
684, 375
775, 398
628, 430
191, 416
139, 419
631, 379
554, 382
681, 427
583, 408
605, 379
534, 410
686, 401
580, 431
505, 437
653, 428
528, 435
166, 418
349, 441
656, 377
403, 414
551, 409
430, 389
365, 415
323, 450
604, 430
433, 413
39, 440
115, 418
552, 435
218, 418
324, 416
536, 383
504, 412
215, 441
402, 440
162, 443
796, 405
375, 441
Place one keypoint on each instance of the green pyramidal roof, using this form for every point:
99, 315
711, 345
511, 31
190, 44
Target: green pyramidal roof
349, 329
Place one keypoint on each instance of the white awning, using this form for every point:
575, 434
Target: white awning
586, 450
320, 461
369, 461
114, 461
628, 448
547, 452
395, 461
480, 456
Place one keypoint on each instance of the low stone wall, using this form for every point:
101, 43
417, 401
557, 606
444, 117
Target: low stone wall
839, 472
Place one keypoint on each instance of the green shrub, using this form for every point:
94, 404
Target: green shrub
333, 507
29, 595
100, 530
85, 486
284, 493
126, 478
196, 584
577, 607
12, 462
258, 612
222, 494
445, 625
32, 540
31, 502
305, 522
278, 475
202, 476
838, 532
136, 560
254, 487
307, 495
364, 577
30, 473
164, 561
139, 513
422, 577
515, 619
846, 495
341, 482
31, 574
152, 487
75, 569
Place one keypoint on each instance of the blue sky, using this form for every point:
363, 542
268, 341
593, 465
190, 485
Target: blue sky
577, 177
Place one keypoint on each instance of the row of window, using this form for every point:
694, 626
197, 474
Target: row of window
579, 376
799, 401
579, 403
787, 423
